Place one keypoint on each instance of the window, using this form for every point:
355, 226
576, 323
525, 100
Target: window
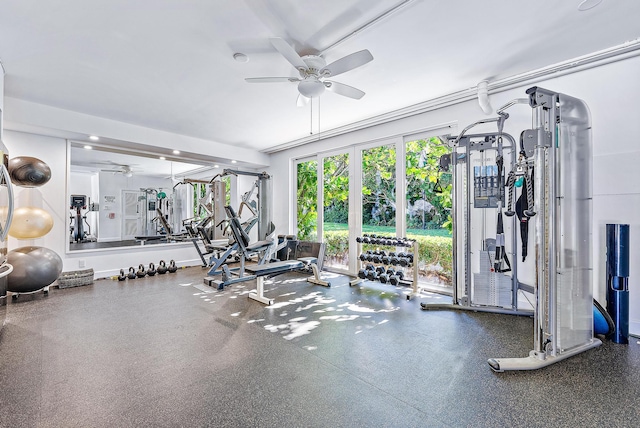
307, 200
335, 225
379, 190
428, 212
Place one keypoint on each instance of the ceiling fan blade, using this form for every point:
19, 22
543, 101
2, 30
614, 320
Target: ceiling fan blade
342, 89
288, 52
347, 63
302, 100
271, 79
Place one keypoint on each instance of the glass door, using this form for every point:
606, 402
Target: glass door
379, 190
428, 211
335, 210
307, 199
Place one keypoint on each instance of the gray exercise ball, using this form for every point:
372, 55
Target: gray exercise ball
27, 171
33, 268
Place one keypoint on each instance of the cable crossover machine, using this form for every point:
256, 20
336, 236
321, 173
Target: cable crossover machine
551, 169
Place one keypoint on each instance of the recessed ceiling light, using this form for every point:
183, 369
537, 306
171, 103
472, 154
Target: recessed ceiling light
588, 4
234, 161
176, 152
93, 138
240, 57
216, 166
163, 158
88, 147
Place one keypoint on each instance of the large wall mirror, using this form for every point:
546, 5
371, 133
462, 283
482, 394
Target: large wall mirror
121, 199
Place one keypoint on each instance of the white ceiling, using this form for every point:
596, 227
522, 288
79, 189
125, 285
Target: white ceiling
99, 159
169, 64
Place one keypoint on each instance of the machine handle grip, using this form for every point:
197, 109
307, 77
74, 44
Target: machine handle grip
4, 173
8, 271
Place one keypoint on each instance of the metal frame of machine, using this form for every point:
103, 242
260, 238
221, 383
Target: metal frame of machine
559, 147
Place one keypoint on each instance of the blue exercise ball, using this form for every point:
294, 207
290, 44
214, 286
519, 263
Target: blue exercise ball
33, 268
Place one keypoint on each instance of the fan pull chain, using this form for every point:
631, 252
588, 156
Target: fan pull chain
311, 121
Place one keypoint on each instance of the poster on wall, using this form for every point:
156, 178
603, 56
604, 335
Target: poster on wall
107, 201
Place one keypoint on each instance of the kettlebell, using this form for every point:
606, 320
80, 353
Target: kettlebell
162, 267
122, 276
172, 267
132, 273
152, 269
141, 273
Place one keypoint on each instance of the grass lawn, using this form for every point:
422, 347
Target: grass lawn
387, 230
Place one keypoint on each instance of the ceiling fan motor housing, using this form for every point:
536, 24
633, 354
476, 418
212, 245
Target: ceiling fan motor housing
311, 86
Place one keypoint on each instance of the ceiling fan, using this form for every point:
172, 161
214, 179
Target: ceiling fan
125, 170
314, 71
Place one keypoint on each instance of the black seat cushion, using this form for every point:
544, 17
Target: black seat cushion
257, 246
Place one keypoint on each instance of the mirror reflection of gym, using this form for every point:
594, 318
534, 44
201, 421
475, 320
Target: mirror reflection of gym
121, 199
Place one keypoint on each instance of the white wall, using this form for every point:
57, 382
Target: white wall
611, 91
52, 197
26, 116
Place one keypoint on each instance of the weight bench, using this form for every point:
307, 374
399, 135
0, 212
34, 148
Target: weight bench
278, 268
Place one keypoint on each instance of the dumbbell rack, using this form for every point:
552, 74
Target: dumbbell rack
412, 282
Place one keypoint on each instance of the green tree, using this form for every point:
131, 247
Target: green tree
307, 196
379, 186
336, 188
426, 182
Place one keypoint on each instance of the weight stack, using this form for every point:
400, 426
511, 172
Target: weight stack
618, 280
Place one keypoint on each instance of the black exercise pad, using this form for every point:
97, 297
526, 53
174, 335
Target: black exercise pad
269, 268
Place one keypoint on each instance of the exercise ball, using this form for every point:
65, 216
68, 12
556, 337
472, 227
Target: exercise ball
30, 223
33, 268
28, 172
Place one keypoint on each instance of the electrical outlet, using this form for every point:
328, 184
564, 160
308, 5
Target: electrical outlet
80, 263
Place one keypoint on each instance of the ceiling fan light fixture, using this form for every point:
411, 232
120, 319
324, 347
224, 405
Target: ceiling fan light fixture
311, 88
588, 4
240, 57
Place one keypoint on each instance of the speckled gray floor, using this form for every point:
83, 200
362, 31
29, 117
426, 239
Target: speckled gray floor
168, 351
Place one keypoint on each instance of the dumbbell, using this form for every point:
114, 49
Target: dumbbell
410, 256
366, 239
390, 272
400, 274
380, 270
362, 273
359, 239
376, 258
386, 260
383, 278
363, 257
403, 261
394, 280
372, 275
394, 260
